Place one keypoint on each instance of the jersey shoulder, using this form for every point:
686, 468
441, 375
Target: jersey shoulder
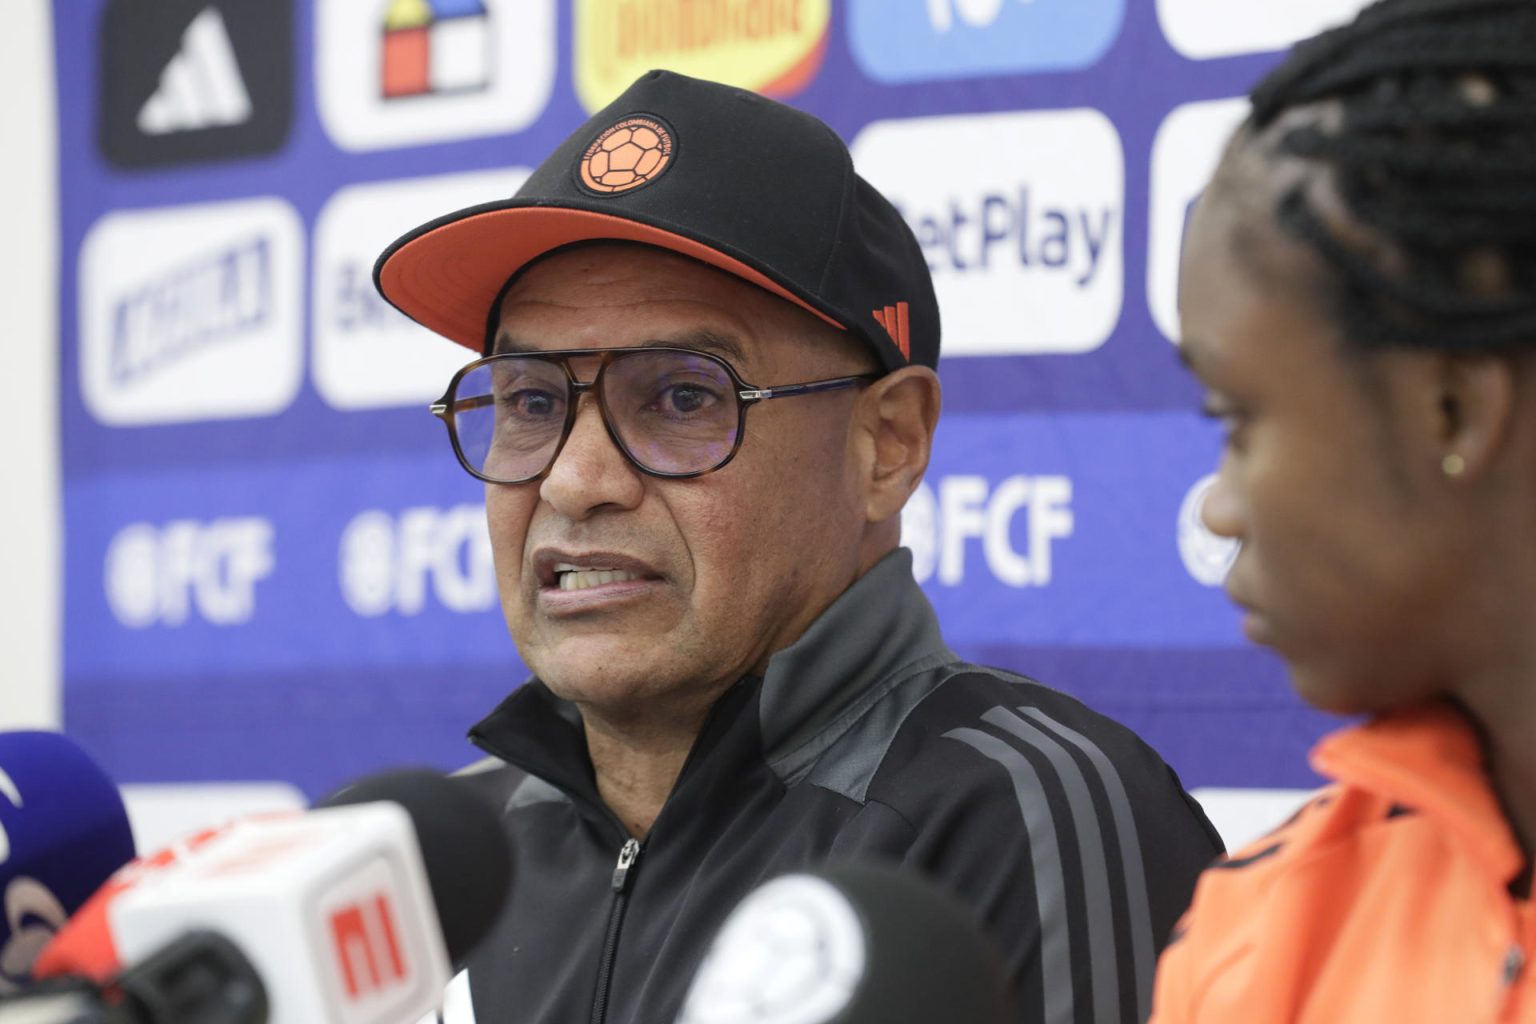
1258, 900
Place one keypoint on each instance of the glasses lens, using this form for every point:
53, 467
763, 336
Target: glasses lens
676, 412
508, 415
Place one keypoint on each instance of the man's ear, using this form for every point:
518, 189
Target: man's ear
1475, 403
898, 413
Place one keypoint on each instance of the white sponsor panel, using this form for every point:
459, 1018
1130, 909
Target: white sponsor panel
1185, 153
1207, 556
1243, 815
1020, 217
1200, 29
407, 73
367, 354
393, 563
192, 312
164, 575
944, 524
162, 813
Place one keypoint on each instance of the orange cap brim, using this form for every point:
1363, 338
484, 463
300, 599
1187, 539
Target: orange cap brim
447, 276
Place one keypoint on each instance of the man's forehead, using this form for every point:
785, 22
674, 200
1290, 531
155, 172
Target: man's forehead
597, 274
676, 301
511, 340
595, 255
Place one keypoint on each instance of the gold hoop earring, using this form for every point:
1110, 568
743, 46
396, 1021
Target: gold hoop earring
1453, 465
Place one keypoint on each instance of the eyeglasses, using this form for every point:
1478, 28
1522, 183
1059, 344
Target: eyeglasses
672, 412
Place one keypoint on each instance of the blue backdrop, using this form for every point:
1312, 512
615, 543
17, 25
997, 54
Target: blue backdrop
275, 569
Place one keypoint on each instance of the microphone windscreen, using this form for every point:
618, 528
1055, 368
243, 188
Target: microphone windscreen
850, 944
467, 856
63, 832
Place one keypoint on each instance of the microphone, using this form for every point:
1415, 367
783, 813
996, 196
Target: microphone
201, 978
63, 831
355, 911
468, 856
849, 944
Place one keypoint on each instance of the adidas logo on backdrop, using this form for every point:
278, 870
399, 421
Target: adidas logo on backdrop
185, 81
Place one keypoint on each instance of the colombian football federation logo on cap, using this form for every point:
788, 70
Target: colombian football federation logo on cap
626, 155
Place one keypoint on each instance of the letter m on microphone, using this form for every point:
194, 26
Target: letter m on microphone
375, 935
365, 941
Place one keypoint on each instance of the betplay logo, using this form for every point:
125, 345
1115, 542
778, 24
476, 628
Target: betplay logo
408, 72
192, 312
1019, 216
367, 354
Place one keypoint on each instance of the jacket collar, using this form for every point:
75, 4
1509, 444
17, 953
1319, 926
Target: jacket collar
880, 629
1430, 759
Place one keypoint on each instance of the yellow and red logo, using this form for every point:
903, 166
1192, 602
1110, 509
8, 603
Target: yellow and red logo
774, 47
634, 152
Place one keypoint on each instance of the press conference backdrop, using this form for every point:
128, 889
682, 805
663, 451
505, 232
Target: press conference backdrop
275, 570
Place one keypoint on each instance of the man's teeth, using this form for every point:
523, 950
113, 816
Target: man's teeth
581, 579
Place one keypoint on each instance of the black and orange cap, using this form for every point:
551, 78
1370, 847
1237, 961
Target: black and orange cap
728, 177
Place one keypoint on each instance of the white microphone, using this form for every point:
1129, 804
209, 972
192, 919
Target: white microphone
353, 913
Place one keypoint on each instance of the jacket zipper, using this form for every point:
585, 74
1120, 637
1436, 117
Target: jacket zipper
628, 854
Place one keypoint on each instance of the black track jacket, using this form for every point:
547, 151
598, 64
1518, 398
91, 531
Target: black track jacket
1070, 838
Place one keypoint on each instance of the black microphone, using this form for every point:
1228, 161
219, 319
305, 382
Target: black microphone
849, 944
200, 978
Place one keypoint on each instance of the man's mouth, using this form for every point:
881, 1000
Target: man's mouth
570, 577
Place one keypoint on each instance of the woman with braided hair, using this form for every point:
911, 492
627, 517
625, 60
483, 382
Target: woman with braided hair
1358, 299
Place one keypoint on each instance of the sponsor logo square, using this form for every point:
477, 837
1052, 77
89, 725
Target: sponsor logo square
367, 354
770, 46
1185, 153
411, 72
192, 313
1020, 218
193, 80
942, 39
1202, 29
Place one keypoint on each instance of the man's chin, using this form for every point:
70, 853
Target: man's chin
598, 669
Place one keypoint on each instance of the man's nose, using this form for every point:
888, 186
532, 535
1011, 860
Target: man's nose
590, 473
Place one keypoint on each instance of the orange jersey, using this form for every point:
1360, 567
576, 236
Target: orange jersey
1387, 898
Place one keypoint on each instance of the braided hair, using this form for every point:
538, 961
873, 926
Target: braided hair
1433, 158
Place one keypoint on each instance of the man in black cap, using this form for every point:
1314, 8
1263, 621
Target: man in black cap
707, 389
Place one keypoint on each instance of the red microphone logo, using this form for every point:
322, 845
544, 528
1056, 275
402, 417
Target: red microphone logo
363, 938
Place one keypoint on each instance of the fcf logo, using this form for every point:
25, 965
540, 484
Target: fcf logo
363, 937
